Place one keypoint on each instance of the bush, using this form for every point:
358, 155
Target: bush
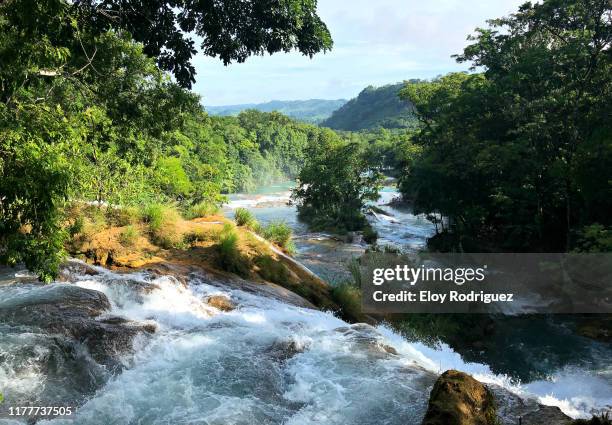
129, 235
123, 216
348, 297
369, 234
202, 209
199, 235
162, 221
93, 221
279, 233
244, 217
76, 226
230, 258
273, 271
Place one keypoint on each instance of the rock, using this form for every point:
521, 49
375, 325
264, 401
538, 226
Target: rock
73, 312
368, 339
74, 267
283, 350
598, 328
353, 237
220, 302
512, 409
459, 399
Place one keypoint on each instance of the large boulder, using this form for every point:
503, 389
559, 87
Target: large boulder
459, 399
73, 312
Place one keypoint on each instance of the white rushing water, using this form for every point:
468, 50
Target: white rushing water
268, 362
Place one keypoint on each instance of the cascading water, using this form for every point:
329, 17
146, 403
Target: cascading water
264, 362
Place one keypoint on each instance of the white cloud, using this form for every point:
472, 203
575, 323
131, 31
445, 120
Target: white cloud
374, 43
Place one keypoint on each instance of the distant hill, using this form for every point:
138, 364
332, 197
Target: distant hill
373, 107
312, 110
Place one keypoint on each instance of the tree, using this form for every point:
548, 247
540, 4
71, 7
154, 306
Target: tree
506, 153
232, 30
86, 112
335, 183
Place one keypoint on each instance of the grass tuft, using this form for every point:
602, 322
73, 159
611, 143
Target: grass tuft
162, 221
279, 233
129, 235
244, 217
202, 209
230, 258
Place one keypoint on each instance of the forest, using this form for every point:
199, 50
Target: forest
514, 156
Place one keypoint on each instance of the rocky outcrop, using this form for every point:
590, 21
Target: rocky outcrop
512, 410
73, 312
459, 399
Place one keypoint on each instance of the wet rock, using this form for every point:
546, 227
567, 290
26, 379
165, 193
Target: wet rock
75, 268
353, 237
220, 302
110, 336
283, 350
512, 409
73, 312
368, 339
459, 399
596, 328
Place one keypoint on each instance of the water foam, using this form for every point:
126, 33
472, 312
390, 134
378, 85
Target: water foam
271, 362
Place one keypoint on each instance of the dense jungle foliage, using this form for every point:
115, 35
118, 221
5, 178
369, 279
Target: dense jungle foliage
87, 112
519, 157
374, 108
516, 156
311, 111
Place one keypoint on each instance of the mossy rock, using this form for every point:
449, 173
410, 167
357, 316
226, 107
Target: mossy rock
220, 302
459, 399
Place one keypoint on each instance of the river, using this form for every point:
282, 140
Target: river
269, 362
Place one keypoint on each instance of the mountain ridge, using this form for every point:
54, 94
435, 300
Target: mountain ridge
308, 110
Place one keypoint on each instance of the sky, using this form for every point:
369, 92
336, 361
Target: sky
375, 43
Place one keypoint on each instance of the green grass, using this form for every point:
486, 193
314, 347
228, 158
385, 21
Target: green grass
244, 217
123, 216
202, 209
162, 221
230, 258
279, 233
129, 235
272, 271
348, 297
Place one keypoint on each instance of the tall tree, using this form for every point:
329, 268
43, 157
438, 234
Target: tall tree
507, 152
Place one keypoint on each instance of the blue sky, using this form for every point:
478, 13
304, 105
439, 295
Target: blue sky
375, 43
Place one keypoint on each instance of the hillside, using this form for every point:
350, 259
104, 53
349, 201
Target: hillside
311, 110
373, 107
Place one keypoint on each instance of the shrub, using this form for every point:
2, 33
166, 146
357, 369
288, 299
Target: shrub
273, 271
369, 234
128, 236
279, 233
230, 258
162, 221
123, 216
244, 217
202, 209
76, 226
93, 221
199, 235
348, 297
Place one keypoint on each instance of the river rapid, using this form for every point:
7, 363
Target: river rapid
266, 361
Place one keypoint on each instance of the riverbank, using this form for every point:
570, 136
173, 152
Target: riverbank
180, 246
167, 289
